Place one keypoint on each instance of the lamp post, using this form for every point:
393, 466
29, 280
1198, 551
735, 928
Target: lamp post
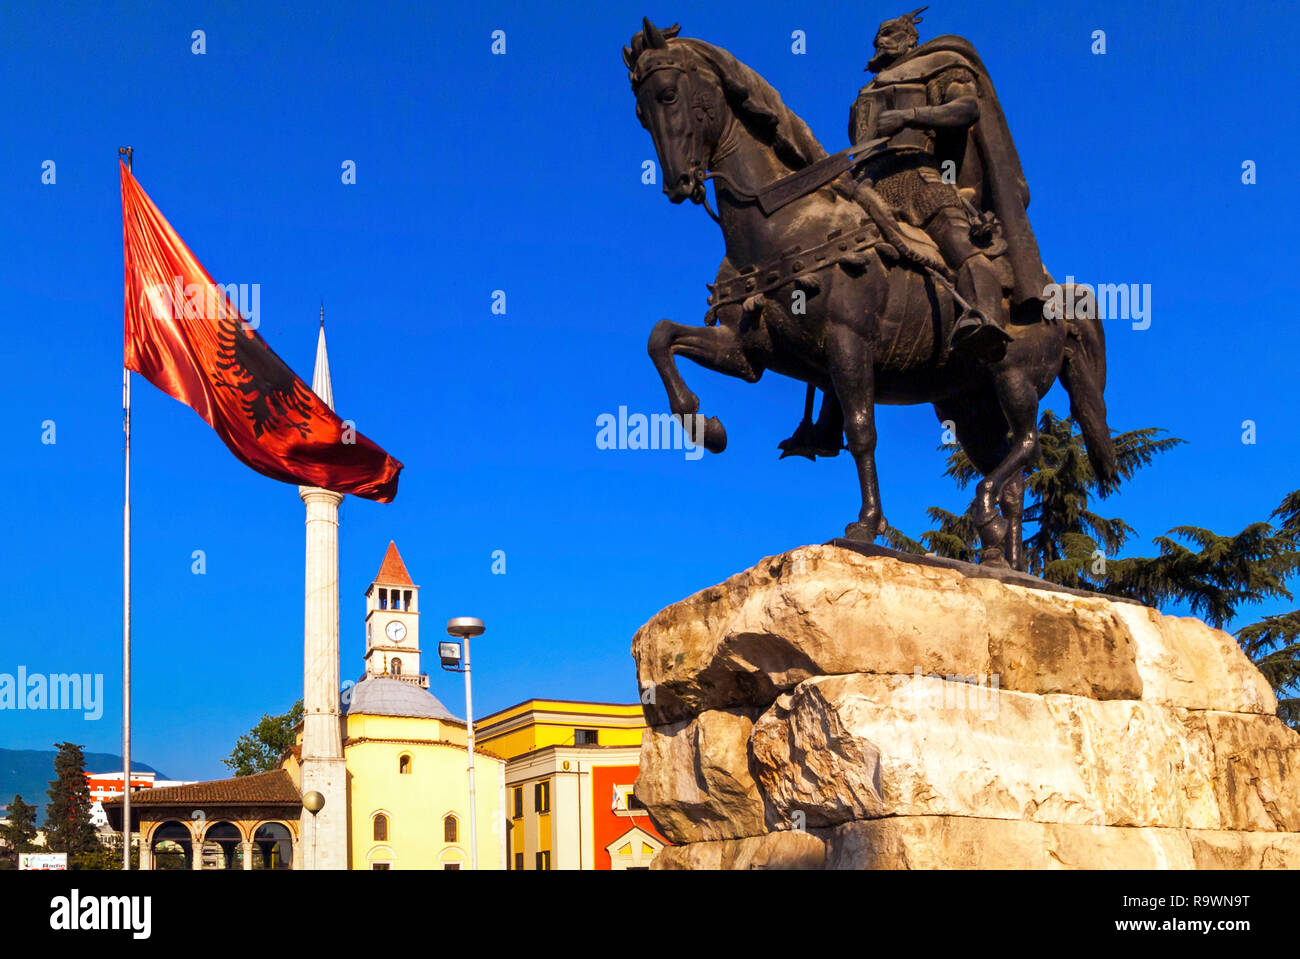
463, 628
313, 802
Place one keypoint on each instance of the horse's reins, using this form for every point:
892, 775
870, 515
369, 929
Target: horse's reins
784, 191
792, 186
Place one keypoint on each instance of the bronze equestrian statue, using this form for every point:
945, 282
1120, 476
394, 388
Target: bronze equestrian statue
870, 274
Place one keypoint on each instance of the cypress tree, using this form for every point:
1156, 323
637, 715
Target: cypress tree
67, 816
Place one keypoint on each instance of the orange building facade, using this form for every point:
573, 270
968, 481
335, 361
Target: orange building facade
570, 770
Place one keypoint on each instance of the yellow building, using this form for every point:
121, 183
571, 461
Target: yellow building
384, 763
405, 776
570, 769
405, 753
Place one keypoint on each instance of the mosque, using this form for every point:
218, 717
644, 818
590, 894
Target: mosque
388, 762
386, 757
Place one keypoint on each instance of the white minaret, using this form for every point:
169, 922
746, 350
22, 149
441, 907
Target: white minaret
324, 843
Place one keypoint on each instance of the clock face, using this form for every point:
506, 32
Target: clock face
395, 631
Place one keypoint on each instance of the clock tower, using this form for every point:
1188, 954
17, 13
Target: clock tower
393, 623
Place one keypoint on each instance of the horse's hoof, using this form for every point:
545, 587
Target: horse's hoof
860, 532
992, 557
715, 435
789, 448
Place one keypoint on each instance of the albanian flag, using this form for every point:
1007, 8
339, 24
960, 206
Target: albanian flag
186, 337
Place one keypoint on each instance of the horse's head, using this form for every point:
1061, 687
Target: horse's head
691, 95
681, 102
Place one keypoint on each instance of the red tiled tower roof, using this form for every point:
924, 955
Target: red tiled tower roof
393, 570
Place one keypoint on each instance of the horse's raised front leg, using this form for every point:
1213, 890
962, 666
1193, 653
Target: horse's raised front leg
714, 347
848, 356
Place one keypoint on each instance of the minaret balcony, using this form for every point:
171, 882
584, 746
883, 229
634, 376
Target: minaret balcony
415, 679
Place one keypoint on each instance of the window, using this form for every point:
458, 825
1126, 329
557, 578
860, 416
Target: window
396, 666
451, 865
381, 828
584, 737
449, 829
542, 796
519, 803
380, 866
519, 861
383, 599
633, 802
406, 600
404, 766
544, 859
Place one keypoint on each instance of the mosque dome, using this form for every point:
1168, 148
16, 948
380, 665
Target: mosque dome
381, 696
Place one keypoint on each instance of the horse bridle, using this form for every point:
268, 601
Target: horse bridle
770, 197
699, 104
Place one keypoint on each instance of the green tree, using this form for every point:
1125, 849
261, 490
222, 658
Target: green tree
259, 750
106, 857
67, 815
1215, 578
1273, 643
1058, 488
1213, 574
1220, 576
18, 834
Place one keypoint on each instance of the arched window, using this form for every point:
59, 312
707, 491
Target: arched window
404, 765
272, 847
396, 666
381, 828
450, 828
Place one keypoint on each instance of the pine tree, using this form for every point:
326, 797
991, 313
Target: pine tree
1067, 536
67, 816
1273, 644
1218, 577
19, 833
1215, 575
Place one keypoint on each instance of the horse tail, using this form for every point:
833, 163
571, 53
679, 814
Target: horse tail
1083, 372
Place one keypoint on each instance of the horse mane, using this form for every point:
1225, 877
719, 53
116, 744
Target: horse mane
752, 99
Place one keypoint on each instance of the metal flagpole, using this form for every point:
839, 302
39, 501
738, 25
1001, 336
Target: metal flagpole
126, 599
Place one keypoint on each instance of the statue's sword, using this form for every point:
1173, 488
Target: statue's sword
802, 182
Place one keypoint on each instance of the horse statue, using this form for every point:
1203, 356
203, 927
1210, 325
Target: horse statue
815, 286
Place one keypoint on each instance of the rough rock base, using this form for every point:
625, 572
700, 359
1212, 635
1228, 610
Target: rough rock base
828, 709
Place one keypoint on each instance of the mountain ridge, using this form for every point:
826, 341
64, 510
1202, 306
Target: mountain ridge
29, 772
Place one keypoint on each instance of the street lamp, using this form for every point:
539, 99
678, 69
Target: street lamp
463, 628
313, 802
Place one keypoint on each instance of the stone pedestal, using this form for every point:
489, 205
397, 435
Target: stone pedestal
826, 709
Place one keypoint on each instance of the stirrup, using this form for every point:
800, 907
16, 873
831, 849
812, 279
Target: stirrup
976, 335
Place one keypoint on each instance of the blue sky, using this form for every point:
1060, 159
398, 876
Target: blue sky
522, 173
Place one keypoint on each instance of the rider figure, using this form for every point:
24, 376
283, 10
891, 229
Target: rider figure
945, 130
928, 104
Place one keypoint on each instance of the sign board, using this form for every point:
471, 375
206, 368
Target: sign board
43, 860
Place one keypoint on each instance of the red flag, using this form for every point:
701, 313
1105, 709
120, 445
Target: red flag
186, 337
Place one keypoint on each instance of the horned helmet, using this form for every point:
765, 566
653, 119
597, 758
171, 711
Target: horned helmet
895, 38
